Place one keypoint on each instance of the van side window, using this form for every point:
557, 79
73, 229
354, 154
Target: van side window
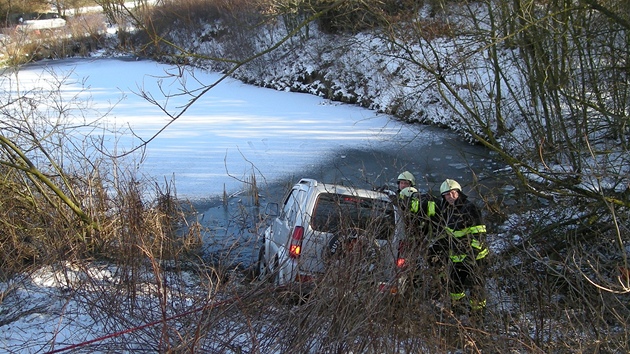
292, 209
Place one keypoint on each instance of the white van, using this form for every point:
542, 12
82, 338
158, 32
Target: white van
321, 222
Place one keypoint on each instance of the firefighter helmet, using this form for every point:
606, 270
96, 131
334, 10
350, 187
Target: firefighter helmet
407, 192
448, 185
407, 176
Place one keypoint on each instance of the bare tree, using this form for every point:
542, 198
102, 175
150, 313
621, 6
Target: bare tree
552, 102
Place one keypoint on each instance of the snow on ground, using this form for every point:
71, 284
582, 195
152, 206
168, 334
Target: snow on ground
51, 310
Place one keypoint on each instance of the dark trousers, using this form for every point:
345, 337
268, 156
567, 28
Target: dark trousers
468, 277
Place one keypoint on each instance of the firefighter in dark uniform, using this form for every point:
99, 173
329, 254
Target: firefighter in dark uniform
461, 244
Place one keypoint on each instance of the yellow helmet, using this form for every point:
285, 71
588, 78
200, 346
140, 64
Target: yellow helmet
407, 176
407, 192
449, 185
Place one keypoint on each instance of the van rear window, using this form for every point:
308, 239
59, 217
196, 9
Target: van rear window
335, 212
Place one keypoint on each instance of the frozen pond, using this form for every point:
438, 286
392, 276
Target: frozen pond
236, 130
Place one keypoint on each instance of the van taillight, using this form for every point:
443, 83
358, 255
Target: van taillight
295, 248
401, 261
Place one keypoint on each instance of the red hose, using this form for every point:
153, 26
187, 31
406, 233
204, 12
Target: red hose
129, 330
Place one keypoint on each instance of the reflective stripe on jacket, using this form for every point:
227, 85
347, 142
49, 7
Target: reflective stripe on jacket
477, 229
430, 208
480, 250
415, 207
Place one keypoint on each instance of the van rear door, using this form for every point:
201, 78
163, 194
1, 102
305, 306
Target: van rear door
337, 218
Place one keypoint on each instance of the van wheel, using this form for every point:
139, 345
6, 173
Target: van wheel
262, 268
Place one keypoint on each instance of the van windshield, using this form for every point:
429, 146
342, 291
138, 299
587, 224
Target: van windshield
335, 212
